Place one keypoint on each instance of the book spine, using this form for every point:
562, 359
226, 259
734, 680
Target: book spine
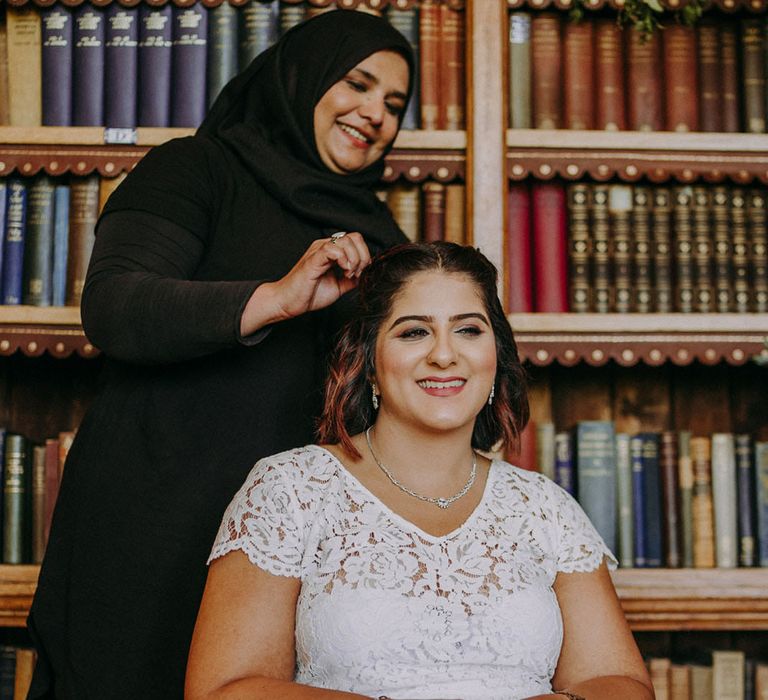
758, 250
746, 505
3, 222
642, 279
654, 552
579, 248
434, 211
610, 109
620, 212
5, 98
188, 90
601, 249
710, 76
661, 224
38, 247
550, 255
728, 675
455, 221
451, 68
56, 61
703, 519
638, 499
740, 250
683, 248
13, 243
24, 45
761, 498
121, 46
721, 232
519, 282
564, 467
680, 83
15, 511
578, 76
728, 34
289, 16
626, 552
644, 94
154, 65
38, 503
404, 201
685, 486
88, 66
753, 71
51, 482
545, 449
520, 70
83, 212
547, 62
703, 283
60, 245
259, 24
669, 499
429, 64
406, 21
724, 499
222, 49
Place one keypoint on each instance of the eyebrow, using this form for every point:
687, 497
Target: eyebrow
376, 81
430, 319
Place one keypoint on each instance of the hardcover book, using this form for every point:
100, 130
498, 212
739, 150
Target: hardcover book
564, 467
709, 75
642, 279
596, 475
746, 501
404, 201
753, 75
758, 249
38, 249
434, 211
722, 258
452, 93
259, 26
703, 283
13, 241
154, 65
740, 250
406, 21
56, 58
4, 97
685, 486
429, 64
579, 248
88, 35
121, 43
680, 84
83, 213
683, 248
455, 223
703, 518
520, 70
222, 49
24, 45
724, 500
620, 212
761, 496
190, 42
661, 237
60, 245
601, 250
578, 76
519, 282
668, 472
610, 108
550, 255
547, 64
16, 515
644, 90
626, 535
729, 73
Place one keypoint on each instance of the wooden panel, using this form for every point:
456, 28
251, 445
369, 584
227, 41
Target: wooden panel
17, 587
642, 400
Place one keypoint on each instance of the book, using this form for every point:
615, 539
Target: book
753, 75
188, 88
757, 239
683, 247
545, 448
601, 250
546, 67
520, 70
406, 21
625, 538
525, 457
746, 504
518, 240
565, 476
680, 79
51, 482
404, 201
578, 76
455, 222
433, 228
56, 65
83, 213
659, 669
15, 493
701, 682
638, 501
222, 60
668, 472
60, 244
642, 287
154, 65
729, 74
65, 439
7, 671
679, 682
88, 35
258, 29
709, 75
579, 249
701, 264
38, 503
721, 259
290, 16
23, 671
107, 185
619, 213
661, 244
550, 255
451, 67
24, 60
761, 681
610, 108
654, 547
13, 241
761, 496
643, 87
728, 675
596, 476
121, 56
429, 64
701, 506
739, 232
3, 219
4, 96
685, 495
37, 289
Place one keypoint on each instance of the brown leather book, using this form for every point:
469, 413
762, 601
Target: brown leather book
107, 185
661, 226
722, 258
455, 222
83, 212
642, 277
546, 68
579, 248
753, 75
703, 519
758, 249
610, 109
680, 78
620, 213
703, 285
728, 33
602, 297
740, 250
578, 76
434, 211
452, 93
38, 503
644, 89
404, 201
670, 507
23, 671
683, 247
709, 74
429, 63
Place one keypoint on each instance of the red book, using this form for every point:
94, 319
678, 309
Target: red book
710, 88
451, 68
519, 283
578, 76
51, 481
610, 111
546, 69
680, 80
429, 64
525, 456
434, 211
729, 74
644, 95
550, 253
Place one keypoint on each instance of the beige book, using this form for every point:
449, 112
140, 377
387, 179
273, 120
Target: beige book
24, 66
703, 519
107, 185
701, 682
728, 675
4, 115
761, 681
680, 682
455, 223
660, 670
404, 202
25, 666
724, 500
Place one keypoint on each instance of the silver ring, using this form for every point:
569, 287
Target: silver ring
336, 236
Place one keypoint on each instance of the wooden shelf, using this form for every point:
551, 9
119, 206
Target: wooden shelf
694, 599
17, 587
631, 155
346, 4
34, 330
649, 338
725, 5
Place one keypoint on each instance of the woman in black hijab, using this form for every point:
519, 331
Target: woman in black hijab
211, 292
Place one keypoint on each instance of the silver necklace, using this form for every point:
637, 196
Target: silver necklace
440, 502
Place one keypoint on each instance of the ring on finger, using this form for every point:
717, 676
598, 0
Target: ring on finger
336, 236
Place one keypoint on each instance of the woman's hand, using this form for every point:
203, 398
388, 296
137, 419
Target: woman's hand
329, 268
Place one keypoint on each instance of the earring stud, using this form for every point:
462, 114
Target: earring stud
374, 397
493, 393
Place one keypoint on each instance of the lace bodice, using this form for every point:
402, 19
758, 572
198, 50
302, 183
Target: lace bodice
386, 608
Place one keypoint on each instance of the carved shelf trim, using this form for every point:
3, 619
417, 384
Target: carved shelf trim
652, 339
33, 331
17, 587
694, 599
725, 5
631, 155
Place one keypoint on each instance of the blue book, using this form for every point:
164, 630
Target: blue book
3, 216
761, 496
258, 30
13, 242
638, 501
407, 23
222, 48
290, 16
38, 246
3, 432
154, 65
121, 43
60, 245
56, 55
651, 503
88, 66
190, 47
564, 470
596, 476
747, 504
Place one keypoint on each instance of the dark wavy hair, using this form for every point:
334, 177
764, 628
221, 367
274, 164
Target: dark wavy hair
348, 409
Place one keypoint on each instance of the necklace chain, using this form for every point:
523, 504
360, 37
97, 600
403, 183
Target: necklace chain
440, 502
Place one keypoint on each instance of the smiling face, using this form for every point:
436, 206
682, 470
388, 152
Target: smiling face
358, 117
435, 354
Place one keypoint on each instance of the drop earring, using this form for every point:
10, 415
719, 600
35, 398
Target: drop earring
493, 393
374, 397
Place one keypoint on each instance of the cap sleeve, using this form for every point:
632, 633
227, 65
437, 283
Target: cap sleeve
580, 547
264, 520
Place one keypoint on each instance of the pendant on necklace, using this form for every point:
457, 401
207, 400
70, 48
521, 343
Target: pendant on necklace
443, 502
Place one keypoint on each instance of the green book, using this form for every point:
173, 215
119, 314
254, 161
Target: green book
37, 280
520, 70
15, 493
626, 535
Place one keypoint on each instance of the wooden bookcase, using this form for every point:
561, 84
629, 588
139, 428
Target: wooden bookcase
586, 351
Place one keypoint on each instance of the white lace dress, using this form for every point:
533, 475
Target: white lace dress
387, 609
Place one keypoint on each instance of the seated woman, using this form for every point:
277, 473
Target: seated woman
394, 559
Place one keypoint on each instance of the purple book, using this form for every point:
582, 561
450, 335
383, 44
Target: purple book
13, 243
120, 65
154, 64
57, 65
88, 66
188, 88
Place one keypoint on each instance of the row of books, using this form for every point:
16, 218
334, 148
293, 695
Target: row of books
594, 74
46, 237
163, 66
30, 475
667, 499
724, 675
595, 247
17, 665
